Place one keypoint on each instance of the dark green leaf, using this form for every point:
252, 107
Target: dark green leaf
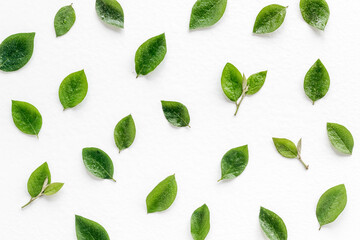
231, 82
162, 196
317, 81
98, 163
255, 82
150, 54
73, 89
64, 20
340, 137
269, 19
331, 204
206, 13
53, 188
111, 12
176, 113
26, 117
315, 12
200, 223
234, 162
15, 51
272, 225
124, 133
286, 147
89, 230
37, 179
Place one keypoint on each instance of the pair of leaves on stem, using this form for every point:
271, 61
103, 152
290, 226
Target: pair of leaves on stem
236, 86
287, 149
39, 184
110, 12
317, 81
64, 20
73, 89
315, 12
87, 229
234, 162
176, 113
200, 223
26, 117
98, 163
162, 196
206, 13
340, 138
272, 225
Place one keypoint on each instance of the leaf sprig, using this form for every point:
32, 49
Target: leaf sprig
287, 149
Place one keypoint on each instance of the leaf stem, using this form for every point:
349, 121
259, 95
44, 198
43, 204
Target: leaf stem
238, 104
305, 165
31, 200
113, 180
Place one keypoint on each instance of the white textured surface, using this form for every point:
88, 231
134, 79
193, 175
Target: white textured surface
190, 74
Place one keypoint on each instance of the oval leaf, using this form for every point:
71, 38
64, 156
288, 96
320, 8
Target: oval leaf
255, 82
73, 89
331, 204
98, 163
206, 13
150, 54
124, 133
111, 12
53, 188
340, 137
37, 179
26, 117
176, 113
200, 223
315, 12
162, 196
269, 19
64, 20
89, 230
15, 51
286, 147
231, 82
234, 162
272, 225
317, 81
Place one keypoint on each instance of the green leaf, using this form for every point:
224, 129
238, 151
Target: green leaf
176, 113
200, 223
234, 162
150, 54
206, 13
111, 12
73, 89
162, 196
87, 229
331, 204
272, 225
255, 82
315, 12
64, 20
37, 179
124, 133
286, 147
340, 137
269, 19
317, 81
15, 51
231, 82
26, 117
98, 163
53, 188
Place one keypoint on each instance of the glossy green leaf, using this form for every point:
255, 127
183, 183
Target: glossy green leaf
340, 137
200, 223
255, 82
73, 89
269, 19
64, 20
162, 196
234, 162
315, 12
331, 204
150, 54
286, 147
176, 113
87, 229
206, 13
317, 81
124, 133
53, 188
111, 12
15, 51
37, 179
231, 82
26, 117
272, 225
98, 163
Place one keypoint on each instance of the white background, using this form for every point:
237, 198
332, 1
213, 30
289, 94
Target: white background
190, 73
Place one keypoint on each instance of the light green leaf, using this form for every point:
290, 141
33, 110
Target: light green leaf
98, 163
231, 82
340, 137
124, 133
64, 20
317, 81
272, 225
111, 12
26, 117
255, 82
73, 89
87, 229
162, 196
176, 113
315, 12
269, 19
37, 179
206, 13
234, 162
53, 188
200, 223
285, 147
